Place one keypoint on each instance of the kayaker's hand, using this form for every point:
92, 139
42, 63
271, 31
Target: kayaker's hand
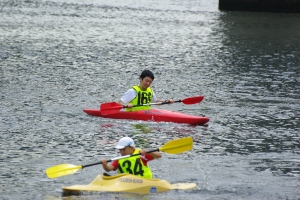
143, 152
104, 162
171, 101
129, 105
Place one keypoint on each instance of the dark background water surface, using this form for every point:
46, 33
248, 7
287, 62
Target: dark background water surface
60, 56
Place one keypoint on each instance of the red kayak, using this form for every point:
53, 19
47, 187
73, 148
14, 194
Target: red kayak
152, 115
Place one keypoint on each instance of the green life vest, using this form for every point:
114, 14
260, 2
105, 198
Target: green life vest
142, 97
134, 165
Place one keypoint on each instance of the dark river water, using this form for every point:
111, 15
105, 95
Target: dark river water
58, 57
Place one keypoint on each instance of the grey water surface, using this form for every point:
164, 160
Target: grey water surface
58, 57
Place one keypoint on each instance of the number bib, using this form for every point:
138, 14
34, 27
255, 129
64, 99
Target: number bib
134, 165
142, 97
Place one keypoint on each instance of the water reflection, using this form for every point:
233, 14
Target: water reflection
261, 75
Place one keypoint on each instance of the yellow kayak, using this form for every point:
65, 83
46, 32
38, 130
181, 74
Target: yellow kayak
128, 183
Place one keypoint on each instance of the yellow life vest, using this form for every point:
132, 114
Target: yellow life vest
134, 165
142, 97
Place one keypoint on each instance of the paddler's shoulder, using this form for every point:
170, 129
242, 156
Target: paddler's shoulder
135, 87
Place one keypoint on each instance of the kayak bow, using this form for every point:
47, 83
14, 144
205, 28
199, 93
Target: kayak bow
127, 183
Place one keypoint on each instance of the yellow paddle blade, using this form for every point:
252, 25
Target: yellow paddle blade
178, 146
62, 170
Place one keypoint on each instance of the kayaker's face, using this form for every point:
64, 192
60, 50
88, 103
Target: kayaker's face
126, 151
145, 82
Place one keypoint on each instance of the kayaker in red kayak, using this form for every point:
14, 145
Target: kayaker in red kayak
137, 165
141, 94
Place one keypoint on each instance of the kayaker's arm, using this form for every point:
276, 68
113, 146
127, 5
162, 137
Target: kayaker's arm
155, 154
107, 167
169, 101
129, 105
120, 103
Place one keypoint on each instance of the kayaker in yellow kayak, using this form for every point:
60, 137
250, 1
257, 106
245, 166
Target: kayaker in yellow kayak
141, 94
137, 165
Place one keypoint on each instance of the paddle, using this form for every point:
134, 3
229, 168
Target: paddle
113, 107
172, 147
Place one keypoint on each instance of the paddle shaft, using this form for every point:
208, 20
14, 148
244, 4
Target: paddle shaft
159, 103
118, 158
113, 107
